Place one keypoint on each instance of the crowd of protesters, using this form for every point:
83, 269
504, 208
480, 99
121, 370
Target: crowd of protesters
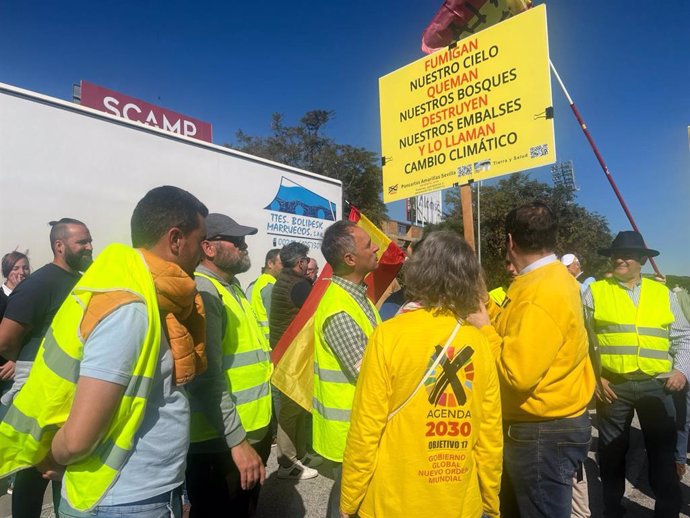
145, 374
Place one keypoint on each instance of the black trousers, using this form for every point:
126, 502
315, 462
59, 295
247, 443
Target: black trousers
656, 413
27, 495
213, 483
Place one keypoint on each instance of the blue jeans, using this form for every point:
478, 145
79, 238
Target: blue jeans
540, 460
166, 505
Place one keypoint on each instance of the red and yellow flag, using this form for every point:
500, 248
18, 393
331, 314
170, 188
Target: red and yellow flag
293, 355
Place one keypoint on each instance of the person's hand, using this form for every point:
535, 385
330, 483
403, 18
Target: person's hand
605, 392
479, 318
344, 515
7, 370
49, 468
676, 381
249, 464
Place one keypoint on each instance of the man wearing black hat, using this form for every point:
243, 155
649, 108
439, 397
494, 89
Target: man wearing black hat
231, 402
642, 344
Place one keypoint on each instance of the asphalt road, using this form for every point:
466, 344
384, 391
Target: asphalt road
308, 498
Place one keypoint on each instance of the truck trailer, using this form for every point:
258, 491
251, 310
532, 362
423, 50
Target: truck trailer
59, 159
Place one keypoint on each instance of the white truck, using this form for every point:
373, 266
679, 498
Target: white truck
59, 159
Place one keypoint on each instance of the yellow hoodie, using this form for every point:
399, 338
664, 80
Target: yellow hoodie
438, 458
540, 343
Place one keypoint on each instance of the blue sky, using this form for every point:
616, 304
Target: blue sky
626, 65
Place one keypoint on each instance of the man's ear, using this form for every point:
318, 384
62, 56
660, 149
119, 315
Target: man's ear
643, 260
208, 249
510, 244
175, 237
349, 259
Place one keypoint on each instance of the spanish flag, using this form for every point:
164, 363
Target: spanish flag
293, 355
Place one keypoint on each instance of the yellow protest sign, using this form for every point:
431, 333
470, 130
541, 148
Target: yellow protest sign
474, 111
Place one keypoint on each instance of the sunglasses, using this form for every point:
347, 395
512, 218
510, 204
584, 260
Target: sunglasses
237, 241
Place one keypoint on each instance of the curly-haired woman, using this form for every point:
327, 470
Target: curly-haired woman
426, 435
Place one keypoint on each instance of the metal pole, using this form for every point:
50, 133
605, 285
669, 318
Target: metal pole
479, 222
609, 177
467, 222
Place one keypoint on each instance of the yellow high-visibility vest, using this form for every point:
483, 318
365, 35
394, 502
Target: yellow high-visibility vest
45, 401
333, 391
257, 301
246, 358
632, 338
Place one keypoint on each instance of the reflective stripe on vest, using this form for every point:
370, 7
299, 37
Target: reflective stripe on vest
246, 359
632, 338
498, 295
257, 301
44, 403
333, 391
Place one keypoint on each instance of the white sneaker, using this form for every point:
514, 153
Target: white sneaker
297, 471
313, 460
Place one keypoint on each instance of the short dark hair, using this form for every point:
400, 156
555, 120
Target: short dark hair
337, 241
58, 229
271, 255
9, 260
291, 253
160, 210
444, 274
533, 227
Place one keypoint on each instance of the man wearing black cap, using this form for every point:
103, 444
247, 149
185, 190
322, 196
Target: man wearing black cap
231, 402
642, 344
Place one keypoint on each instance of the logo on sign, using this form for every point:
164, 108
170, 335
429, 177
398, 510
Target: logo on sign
298, 214
292, 198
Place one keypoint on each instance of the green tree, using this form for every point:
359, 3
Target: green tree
580, 231
306, 147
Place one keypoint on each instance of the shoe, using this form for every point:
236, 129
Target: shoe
680, 469
297, 471
312, 460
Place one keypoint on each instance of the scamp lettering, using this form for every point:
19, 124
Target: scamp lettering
133, 112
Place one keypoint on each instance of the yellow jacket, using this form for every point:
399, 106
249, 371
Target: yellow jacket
540, 344
440, 458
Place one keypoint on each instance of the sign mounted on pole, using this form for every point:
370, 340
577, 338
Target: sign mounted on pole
472, 111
